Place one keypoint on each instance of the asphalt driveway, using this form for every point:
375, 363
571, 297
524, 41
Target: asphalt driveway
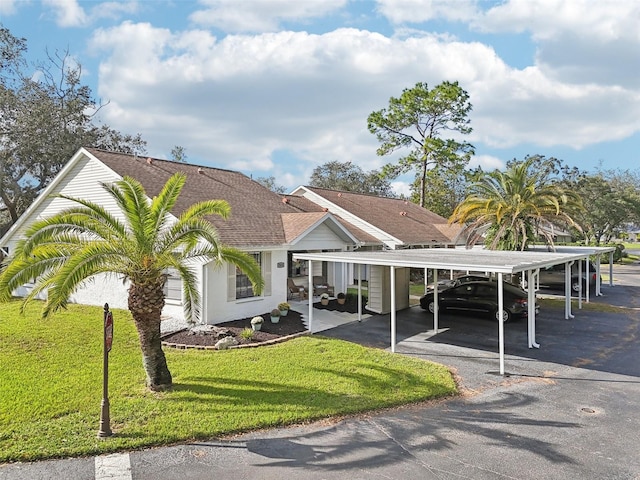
569, 410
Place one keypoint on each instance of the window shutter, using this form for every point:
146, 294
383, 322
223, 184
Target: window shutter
231, 282
266, 273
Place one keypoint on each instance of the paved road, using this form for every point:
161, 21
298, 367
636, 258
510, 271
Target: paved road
569, 410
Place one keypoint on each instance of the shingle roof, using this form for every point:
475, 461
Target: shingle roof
255, 210
305, 205
408, 222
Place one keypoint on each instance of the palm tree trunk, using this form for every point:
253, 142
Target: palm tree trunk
145, 304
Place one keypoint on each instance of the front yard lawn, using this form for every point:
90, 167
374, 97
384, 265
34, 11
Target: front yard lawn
51, 385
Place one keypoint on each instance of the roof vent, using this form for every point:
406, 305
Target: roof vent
403, 214
325, 209
285, 200
200, 170
149, 160
339, 194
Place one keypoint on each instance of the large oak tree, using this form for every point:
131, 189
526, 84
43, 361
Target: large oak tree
46, 115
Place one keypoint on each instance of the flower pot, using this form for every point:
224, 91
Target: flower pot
283, 313
275, 319
256, 326
324, 301
341, 301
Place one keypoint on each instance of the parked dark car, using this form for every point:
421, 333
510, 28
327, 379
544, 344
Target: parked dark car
444, 284
553, 277
480, 296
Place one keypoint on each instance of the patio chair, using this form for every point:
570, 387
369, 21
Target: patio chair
321, 286
296, 290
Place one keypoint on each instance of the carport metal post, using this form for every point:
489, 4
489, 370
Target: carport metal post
500, 322
567, 290
598, 283
310, 275
360, 291
611, 268
580, 285
435, 300
531, 313
392, 274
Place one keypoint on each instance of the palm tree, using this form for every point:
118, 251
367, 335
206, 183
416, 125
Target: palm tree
509, 208
63, 251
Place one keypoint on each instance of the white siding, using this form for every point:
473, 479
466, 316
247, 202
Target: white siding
380, 289
81, 181
220, 309
321, 238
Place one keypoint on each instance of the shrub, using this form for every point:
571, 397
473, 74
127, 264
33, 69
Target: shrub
275, 312
247, 334
284, 306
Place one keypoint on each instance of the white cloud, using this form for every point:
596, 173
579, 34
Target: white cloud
68, 13
260, 15
235, 101
487, 162
418, 11
8, 7
579, 41
401, 188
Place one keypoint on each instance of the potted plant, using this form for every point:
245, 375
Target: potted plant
256, 323
324, 299
275, 315
284, 308
341, 298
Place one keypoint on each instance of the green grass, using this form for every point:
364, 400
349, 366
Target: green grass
51, 386
558, 303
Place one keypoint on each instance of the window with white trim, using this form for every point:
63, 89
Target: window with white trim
238, 283
244, 289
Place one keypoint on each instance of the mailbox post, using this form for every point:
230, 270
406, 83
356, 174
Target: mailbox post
105, 429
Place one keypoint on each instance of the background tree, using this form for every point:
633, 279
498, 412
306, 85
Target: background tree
270, 183
63, 251
46, 115
417, 121
512, 208
348, 177
445, 188
613, 199
179, 154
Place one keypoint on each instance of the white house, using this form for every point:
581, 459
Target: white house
265, 224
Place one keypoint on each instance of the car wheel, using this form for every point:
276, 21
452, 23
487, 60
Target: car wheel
506, 316
575, 286
432, 307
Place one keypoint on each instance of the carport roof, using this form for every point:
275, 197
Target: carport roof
496, 261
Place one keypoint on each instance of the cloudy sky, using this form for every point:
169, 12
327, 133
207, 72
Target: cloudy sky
278, 87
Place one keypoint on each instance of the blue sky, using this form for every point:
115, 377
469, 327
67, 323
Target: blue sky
278, 87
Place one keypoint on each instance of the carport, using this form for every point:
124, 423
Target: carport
492, 262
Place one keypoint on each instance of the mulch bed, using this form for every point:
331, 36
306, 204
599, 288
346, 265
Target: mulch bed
288, 325
349, 306
291, 324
